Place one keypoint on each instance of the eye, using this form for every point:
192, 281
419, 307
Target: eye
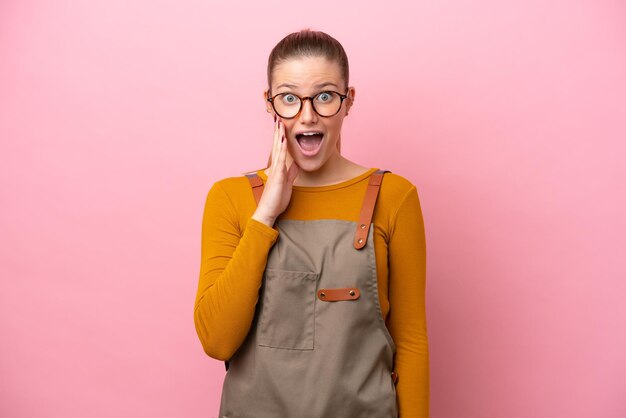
324, 97
289, 98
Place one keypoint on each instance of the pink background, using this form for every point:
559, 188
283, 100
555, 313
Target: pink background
117, 116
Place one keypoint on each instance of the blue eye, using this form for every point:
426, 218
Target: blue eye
324, 97
290, 98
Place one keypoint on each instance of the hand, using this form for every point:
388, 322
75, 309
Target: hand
278, 187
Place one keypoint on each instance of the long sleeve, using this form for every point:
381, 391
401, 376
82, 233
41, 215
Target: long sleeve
407, 315
231, 273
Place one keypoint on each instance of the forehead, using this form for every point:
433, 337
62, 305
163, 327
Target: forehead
306, 73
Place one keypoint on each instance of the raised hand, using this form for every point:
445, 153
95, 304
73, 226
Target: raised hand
278, 187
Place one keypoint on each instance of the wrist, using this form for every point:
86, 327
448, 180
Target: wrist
267, 220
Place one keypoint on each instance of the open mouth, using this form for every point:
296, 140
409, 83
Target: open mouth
310, 142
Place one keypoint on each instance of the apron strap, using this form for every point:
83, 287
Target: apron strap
257, 186
367, 209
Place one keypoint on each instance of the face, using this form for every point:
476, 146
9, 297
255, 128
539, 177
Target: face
308, 76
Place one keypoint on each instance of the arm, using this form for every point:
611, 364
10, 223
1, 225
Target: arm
407, 316
231, 273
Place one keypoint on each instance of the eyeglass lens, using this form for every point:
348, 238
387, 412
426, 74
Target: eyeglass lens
326, 103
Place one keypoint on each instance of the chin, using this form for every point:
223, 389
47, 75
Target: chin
308, 165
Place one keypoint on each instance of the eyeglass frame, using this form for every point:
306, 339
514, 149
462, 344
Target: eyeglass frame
310, 98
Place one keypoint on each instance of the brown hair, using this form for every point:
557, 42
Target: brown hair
307, 43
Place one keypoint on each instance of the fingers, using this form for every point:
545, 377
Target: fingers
275, 149
279, 131
282, 145
283, 149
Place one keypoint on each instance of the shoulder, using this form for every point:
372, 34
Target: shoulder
235, 189
395, 187
396, 192
231, 200
402, 204
234, 184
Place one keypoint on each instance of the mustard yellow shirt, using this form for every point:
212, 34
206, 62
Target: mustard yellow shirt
234, 253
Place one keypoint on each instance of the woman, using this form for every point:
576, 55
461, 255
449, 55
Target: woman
312, 277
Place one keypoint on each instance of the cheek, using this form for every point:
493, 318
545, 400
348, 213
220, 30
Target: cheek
334, 126
288, 126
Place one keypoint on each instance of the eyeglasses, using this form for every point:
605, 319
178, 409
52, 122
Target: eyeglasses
326, 103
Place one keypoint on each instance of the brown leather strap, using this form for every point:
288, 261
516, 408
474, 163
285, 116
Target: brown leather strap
257, 186
333, 295
367, 209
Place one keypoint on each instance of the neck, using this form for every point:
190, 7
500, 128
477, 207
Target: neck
336, 169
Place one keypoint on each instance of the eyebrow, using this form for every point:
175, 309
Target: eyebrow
319, 86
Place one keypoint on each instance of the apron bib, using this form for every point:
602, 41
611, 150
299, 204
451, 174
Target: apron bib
318, 345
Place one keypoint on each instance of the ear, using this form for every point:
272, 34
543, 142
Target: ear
350, 99
268, 105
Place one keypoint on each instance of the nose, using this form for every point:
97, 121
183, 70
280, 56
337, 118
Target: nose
307, 114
